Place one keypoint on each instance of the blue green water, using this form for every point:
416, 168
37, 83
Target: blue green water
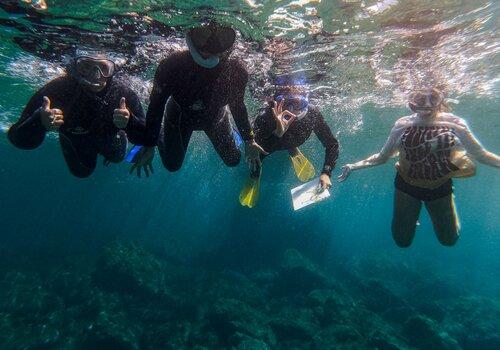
361, 58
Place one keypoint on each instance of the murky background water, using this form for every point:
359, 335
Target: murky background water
360, 59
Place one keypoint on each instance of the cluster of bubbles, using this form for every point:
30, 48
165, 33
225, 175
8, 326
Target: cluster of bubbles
350, 53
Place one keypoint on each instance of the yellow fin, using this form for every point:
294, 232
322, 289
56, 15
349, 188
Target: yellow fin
303, 168
249, 194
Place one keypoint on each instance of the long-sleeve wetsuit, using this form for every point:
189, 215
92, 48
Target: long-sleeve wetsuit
197, 99
88, 128
298, 133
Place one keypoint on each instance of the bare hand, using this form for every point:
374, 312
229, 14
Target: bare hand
51, 119
121, 115
346, 171
252, 153
282, 124
144, 161
324, 182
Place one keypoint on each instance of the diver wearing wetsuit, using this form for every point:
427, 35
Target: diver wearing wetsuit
196, 86
286, 124
92, 113
298, 133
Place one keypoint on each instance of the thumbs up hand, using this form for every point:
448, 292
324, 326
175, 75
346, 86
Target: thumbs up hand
51, 118
121, 115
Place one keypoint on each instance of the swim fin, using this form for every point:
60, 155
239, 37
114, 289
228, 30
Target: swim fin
303, 168
249, 194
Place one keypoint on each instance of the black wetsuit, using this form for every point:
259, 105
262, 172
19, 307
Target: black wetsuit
88, 128
298, 133
197, 99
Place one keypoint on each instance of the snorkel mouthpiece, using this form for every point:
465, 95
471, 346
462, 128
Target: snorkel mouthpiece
209, 63
85, 82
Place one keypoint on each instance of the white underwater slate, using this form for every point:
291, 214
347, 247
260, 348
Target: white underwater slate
307, 194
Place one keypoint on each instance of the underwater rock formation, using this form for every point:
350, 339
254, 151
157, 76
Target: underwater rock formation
297, 274
424, 333
234, 321
125, 268
131, 299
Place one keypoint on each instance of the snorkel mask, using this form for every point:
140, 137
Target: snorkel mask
426, 102
93, 70
208, 43
293, 90
298, 104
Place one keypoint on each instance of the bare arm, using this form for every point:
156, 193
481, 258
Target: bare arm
387, 151
475, 149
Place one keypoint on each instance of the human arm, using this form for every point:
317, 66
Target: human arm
331, 144
162, 90
130, 116
264, 124
328, 140
237, 102
36, 119
240, 116
474, 148
387, 151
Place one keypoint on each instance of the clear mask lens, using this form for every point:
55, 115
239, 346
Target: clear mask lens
425, 102
294, 103
88, 67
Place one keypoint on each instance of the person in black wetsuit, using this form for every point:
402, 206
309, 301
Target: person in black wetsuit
93, 114
194, 87
286, 124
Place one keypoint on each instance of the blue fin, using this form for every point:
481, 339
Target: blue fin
133, 154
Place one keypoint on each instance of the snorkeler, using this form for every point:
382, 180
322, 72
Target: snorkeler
286, 124
37, 4
92, 113
434, 146
196, 85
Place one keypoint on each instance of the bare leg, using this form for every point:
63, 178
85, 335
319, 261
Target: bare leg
404, 222
444, 217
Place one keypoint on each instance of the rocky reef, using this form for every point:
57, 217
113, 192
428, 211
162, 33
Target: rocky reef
130, 298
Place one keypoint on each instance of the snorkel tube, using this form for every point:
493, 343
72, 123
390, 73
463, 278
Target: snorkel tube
209, 63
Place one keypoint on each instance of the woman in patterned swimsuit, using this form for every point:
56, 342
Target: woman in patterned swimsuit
434, 146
